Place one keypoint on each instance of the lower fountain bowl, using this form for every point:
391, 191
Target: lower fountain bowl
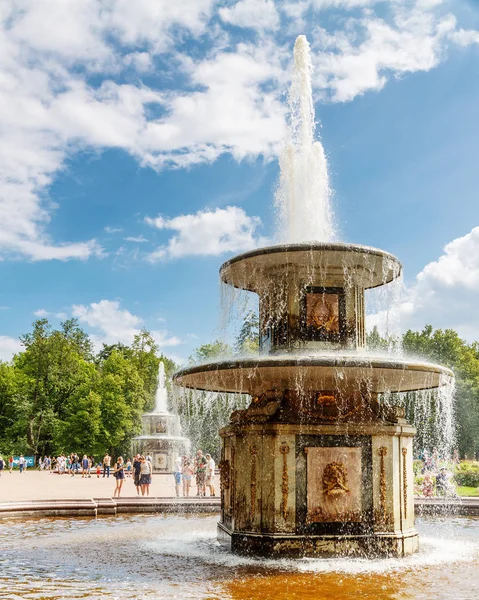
343, 372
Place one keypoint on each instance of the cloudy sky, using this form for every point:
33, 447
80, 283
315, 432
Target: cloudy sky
139, 145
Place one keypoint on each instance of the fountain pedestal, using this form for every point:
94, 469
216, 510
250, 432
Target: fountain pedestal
320, 463
299, 490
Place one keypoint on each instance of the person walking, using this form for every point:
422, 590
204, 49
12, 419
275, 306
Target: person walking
210, 474
128, 467
84, 466
177, 475
10, 463
106, 465
2, 465
200, 466
137, 473
21, 463
145, 476
119, 475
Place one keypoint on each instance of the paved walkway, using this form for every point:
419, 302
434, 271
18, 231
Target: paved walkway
41, 485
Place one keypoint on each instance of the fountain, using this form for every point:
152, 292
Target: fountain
161, 431
320, 463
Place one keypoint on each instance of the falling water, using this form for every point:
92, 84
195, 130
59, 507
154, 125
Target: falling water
161, 399
303, 195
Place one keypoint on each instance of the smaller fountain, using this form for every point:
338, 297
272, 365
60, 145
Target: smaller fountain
161, 437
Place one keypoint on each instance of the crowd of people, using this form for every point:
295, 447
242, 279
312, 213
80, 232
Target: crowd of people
437, 479
22, 464
200, 466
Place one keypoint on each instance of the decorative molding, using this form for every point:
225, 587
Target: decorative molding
254, 452
284, 449
382, 451
404, 480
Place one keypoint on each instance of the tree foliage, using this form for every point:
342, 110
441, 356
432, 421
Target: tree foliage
57, 395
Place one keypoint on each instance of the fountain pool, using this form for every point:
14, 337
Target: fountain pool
167, 557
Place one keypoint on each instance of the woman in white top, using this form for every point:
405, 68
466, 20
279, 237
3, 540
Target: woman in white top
210, 474
145, 476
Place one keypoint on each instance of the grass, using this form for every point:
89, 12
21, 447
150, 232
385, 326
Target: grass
468, 491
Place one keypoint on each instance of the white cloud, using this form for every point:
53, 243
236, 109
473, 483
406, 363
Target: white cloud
8, 347
41, 313
110, 229
206, 233
445, 293
257, 14
138, 240
226, 100
112, 324
141, 61
364, 54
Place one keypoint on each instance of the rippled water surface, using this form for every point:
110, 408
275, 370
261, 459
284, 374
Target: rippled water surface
166, 557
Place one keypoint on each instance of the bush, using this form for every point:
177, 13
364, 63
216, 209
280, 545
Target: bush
417, 466
467, 474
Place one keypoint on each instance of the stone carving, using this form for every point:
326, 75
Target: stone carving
382, 451
224, 467
404, 480
335, 480
254, 452
160, 427
284, 449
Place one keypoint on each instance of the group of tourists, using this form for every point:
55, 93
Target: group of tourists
22, 464
202, 467
437, 479
73, 464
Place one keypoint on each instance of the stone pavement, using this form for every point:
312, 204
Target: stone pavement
41, 485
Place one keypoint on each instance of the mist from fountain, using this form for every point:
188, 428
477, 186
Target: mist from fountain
303, 197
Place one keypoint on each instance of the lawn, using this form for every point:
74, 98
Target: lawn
467, 491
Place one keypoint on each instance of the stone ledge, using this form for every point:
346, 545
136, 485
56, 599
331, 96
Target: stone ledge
92, 507
447, 506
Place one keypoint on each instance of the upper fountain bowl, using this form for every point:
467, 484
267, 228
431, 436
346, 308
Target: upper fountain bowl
318, 263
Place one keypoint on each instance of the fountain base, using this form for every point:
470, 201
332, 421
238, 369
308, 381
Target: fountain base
311, 489
296, 546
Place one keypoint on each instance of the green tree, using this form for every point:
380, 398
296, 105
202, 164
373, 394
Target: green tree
121, 390
247, 341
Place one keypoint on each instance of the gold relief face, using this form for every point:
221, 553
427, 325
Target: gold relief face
334, 484
335, 480
322, 312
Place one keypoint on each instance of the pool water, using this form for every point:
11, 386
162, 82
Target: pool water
166, 557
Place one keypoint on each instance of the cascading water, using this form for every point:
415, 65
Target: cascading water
303, 198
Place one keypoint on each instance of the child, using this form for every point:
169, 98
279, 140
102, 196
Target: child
427, 486
128, 468
98, 470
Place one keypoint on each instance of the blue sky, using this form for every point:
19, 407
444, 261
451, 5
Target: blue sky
139, 151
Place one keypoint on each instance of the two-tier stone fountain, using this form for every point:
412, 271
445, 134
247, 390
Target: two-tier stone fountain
319, 463
161, 431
